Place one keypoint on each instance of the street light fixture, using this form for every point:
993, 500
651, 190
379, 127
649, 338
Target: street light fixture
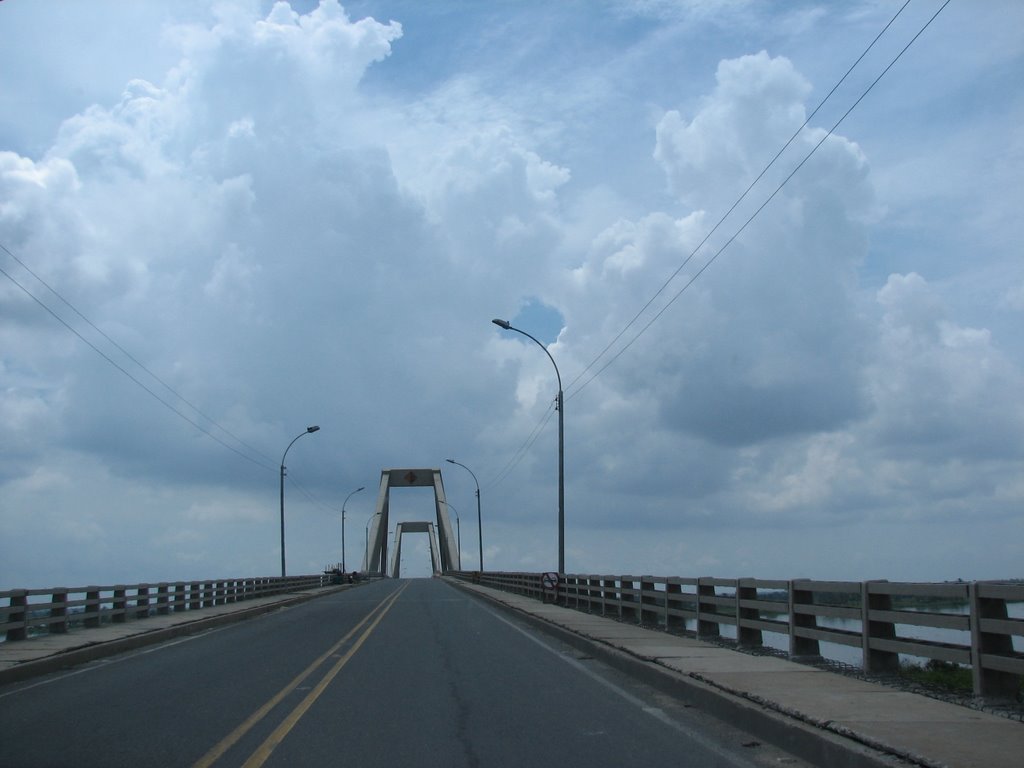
357, 490
479, 529
309, 430
561, 443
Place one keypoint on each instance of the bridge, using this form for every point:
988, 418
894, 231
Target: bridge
444, 552
471, 668
495, 668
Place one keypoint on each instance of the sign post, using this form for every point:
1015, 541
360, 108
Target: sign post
549, 581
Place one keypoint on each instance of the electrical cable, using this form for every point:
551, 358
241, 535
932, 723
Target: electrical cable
517, 457
131, 357
754, 215
523, 450
537, 430
301, 489
123, 370
532, 438
740, 199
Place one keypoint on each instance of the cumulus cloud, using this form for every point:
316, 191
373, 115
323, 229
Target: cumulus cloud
770, 342
937, 386
282, 234
757, 104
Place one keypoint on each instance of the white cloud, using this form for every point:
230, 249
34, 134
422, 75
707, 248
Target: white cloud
769, 342
757, 105
941, 387
287, 227
1013, 298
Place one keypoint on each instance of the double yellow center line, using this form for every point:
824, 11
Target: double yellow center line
259, 757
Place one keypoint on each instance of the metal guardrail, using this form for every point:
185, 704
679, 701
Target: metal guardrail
27, 613
875, 613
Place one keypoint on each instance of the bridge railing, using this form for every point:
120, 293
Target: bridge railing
27, 613
965, 623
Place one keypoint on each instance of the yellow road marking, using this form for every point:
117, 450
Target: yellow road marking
232, 738
259, 757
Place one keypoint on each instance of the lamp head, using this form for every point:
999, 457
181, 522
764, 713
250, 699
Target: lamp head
314, 428
362, 488
450, 461
502, 323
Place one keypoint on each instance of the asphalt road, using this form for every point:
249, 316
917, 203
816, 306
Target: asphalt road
393, 673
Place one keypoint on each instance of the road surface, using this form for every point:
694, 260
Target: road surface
392, 673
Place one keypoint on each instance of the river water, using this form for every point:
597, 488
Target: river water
854, 656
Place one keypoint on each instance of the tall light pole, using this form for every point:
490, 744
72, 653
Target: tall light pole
479, 529
357, 490
561, 443
309, 430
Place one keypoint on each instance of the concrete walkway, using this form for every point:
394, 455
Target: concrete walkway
782, 701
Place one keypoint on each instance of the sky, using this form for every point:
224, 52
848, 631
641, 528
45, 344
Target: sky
785, 305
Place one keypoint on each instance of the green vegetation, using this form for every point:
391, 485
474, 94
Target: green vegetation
940, 674
946, 676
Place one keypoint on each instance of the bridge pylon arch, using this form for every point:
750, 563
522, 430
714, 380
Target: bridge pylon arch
401, 529
444, 551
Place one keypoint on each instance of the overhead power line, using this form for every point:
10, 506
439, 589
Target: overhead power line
313, 499
532, 438
169, 405
523, 449
757, 212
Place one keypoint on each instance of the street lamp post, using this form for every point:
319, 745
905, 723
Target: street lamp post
561, 443
479, 528
309, 430
357, 490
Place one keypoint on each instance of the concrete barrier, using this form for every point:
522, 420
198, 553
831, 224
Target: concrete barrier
877, 613
28, 613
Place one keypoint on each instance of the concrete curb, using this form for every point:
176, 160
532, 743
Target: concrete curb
80, 655
807, 740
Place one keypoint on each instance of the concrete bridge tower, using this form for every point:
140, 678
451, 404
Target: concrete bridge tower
444, 553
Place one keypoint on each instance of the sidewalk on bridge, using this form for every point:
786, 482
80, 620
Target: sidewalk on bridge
24, 659
908, 726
